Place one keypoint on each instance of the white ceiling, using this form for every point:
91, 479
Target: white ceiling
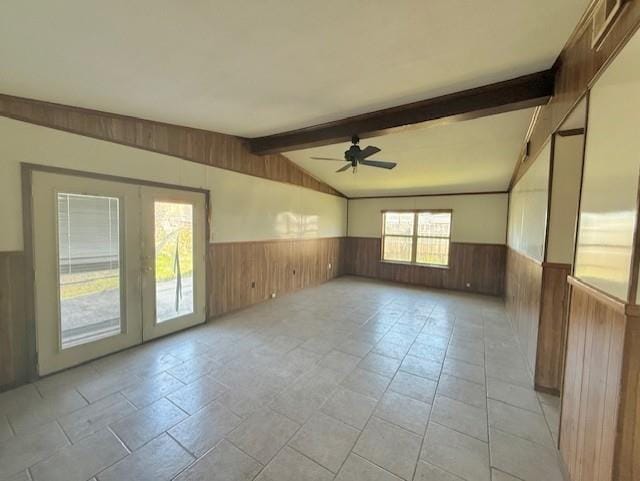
252, 68
472, 156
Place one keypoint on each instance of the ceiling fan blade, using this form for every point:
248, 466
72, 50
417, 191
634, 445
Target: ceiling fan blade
368, 152
342, 169
379, 163
327, 158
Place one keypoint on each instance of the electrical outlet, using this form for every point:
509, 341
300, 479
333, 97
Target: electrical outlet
273, 295
468, 284
253, 284
329, 265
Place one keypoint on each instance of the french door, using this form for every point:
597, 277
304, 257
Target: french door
115, 264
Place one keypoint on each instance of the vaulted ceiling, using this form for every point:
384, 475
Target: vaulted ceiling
253, 68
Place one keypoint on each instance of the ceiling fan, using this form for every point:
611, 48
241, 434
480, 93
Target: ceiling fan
356, 156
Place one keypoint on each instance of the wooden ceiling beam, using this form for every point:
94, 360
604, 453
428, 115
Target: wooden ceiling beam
518, 93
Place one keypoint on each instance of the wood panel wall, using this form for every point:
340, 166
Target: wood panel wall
523, 289
246, 273
552, 327
13, 338
202, 146
577, 67
600, 423
481, 265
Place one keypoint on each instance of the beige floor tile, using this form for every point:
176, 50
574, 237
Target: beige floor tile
199, 393
204, 429
415, 387
421, 367
461, 417
152, 389
289, 465
192, 369
390, 349
58, 403
464, 370
318, 345
390, 447
81, 461
142, 426
107, 384
427, 351
263, 434
404, 411
5, 429
502, 476
160, 460
429, 472
511, 374
456, 453
472, 356
366, 382
96, 416
462, 390
223, 463
524, 459
520, 422
339, 361
349, 407
20, 452
356, 468
325, 440
387, 366
513, 394
354, 347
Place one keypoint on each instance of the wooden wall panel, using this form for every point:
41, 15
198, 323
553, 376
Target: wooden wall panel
552, 327
576, 68
202, 146
13, 339
278, 266
523, 289
481, 265
599, 430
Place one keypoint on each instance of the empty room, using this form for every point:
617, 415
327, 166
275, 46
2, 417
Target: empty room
316, 241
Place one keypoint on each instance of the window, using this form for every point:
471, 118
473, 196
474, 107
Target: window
417, 237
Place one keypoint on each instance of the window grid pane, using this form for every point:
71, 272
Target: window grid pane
398, 223
434, 224
433, 251
397, 248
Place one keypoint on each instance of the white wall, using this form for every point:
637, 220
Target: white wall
528, 208
476, 218
243, 207
608, 208
565, 194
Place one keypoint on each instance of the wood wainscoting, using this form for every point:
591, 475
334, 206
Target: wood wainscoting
13, 338
600, 422
523, 289
480, 265
552, 327
246, 273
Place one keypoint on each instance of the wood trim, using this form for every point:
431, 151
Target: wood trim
612, 302
577, 68
556, 265
570, 132
196, 145
271, 241
514, 94
402, 196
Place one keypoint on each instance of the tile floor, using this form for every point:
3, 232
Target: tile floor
352, 380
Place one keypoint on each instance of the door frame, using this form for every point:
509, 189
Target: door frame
26, 172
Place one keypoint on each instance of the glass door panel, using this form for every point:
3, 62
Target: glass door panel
173, 225
173, 231
88, 268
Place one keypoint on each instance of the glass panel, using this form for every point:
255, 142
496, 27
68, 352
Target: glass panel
174, 260
397, 248
398, 223
89, 268
434, 224
432, 251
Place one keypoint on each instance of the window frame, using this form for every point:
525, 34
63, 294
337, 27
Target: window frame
414, 237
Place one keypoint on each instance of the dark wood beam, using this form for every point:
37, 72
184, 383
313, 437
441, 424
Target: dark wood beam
522, 92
